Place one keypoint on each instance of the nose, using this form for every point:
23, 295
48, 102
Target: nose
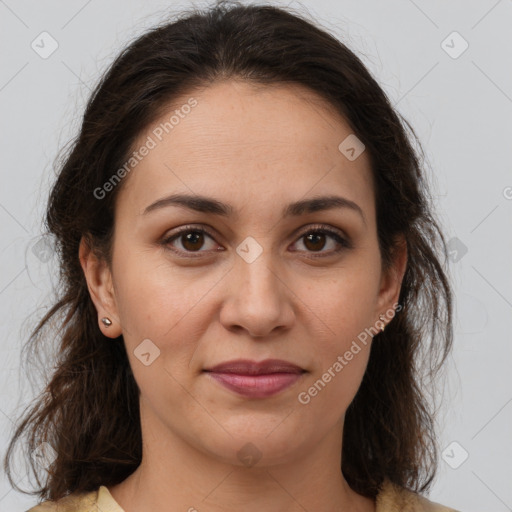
258, 300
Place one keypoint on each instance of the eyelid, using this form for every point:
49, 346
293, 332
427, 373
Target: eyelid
344, 242
187, 229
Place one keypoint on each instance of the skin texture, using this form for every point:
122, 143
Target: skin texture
257, 148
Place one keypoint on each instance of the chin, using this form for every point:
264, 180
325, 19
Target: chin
258, 445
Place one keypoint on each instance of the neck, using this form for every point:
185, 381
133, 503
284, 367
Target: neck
176, 476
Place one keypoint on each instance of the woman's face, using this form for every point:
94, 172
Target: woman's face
255, 285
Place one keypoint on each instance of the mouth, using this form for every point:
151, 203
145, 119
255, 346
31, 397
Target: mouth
256, 379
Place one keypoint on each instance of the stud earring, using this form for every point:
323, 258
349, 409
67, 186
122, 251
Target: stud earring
383, 326
106, 321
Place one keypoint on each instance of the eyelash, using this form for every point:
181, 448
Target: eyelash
318, 229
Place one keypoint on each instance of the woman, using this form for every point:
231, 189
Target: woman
249, 278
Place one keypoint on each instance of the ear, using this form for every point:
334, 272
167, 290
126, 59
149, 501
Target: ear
101, 289
391, 282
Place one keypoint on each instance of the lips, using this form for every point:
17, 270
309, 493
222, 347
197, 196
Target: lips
253, 379
247, 367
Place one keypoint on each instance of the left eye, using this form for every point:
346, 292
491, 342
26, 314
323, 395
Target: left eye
315, 240
192, 240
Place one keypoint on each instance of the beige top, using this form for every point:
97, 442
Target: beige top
391, 498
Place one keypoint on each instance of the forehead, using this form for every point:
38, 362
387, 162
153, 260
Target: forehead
245, 143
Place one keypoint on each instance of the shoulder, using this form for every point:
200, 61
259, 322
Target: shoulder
393, 498
92, 501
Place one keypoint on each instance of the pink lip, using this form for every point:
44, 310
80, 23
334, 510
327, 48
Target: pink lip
256, 380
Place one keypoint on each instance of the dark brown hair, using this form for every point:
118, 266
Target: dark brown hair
89, 410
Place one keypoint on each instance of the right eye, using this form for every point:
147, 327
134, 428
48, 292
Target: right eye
191, 239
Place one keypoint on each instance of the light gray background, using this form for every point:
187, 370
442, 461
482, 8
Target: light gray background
460, 107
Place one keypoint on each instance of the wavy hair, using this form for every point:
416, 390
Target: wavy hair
89, 410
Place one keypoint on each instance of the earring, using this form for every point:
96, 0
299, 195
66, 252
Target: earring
383, 326
106, 321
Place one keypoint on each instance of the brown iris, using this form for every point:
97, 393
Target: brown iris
192, 240
314, 239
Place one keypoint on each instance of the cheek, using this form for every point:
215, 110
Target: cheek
341, 362
342, 312
153, 296
343, 306
171, 307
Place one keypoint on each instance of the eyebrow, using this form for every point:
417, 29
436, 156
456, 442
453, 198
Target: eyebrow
210, 205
